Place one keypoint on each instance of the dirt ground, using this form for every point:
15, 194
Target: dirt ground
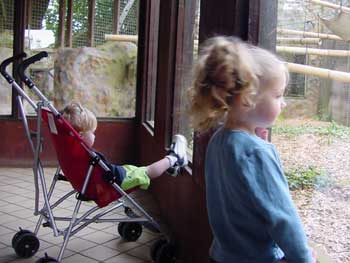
325, 212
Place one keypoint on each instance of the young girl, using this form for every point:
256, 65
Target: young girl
250, 209
128, 176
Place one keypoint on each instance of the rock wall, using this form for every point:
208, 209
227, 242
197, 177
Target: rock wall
5, 88
103, 79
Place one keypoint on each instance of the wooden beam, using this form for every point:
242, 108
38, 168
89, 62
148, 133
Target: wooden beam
116, 11
328, 4
69, 35
268, 24
166, 70
307, 34
121, 38
91, 30
300, 40
313, 51
319, 72
29, 13
19, 26
61, 22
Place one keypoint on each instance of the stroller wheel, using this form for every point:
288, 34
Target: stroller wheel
166, 253
155, 247
46, 260
130, 231
26, 244
18, 234
120, 227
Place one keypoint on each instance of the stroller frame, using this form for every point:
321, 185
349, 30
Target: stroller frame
76, 222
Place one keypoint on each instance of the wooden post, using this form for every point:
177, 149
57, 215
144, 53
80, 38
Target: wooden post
313, 51
91, 30
121, 38
69, 24
61, 22
116, 11
29, 14
299, 40
307, 34
319, 72
325, 91
330, 5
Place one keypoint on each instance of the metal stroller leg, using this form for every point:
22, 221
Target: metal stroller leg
74, 216
69, 231
152, 221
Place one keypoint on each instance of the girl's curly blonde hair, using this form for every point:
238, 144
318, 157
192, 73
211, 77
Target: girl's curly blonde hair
81, 119
227, 66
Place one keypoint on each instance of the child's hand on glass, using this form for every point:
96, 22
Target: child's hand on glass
263, 133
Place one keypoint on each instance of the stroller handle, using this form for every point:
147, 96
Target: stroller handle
6, 62
23, 66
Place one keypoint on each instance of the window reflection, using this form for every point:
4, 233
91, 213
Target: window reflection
313, 133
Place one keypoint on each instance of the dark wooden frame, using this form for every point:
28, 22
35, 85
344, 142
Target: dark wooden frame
242, 18
19, 25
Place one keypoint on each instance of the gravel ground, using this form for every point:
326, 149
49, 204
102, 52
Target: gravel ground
325, 212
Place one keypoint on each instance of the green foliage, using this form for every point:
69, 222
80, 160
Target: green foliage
52, 18
331, 130
80, 23
130, 24
6, 39
309, 177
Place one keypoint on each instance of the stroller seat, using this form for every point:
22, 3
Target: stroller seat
74, 157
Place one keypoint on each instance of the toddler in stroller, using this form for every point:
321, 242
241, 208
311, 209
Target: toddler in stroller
127, 176
90, 175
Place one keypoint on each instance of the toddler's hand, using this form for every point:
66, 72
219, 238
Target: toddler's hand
263, 133
313, 254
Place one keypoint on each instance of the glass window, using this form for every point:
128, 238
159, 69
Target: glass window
313, 133
102, 77
6, 51
190, 53
152, 64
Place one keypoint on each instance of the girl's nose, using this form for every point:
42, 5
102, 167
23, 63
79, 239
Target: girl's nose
284, 103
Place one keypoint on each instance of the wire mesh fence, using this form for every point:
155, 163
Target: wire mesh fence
6, 23
43, 32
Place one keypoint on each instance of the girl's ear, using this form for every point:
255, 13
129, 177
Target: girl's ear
241, 100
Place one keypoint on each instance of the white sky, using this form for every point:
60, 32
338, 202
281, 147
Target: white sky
39, 38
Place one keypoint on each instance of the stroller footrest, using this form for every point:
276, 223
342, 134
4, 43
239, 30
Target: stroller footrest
61, 177
109, 177
82, 197
46, 224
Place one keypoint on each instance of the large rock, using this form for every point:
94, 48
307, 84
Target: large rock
5, 87
102, 79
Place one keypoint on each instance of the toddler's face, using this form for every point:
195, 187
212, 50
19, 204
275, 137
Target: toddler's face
270, 103
88, 137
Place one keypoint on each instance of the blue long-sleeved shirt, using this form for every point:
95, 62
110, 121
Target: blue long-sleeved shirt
250, 209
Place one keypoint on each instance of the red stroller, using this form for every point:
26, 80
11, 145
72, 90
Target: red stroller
88, 174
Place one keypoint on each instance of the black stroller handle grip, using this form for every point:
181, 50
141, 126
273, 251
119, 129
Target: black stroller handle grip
23, 66
6, 62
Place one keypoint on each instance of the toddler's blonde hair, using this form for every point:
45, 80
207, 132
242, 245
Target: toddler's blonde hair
227, 66
81, 119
